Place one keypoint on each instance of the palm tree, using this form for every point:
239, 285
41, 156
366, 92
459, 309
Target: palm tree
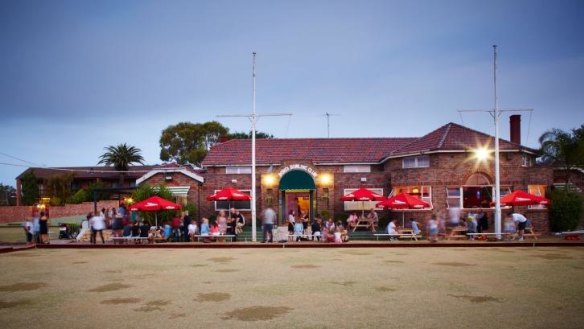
563, 149
121, 157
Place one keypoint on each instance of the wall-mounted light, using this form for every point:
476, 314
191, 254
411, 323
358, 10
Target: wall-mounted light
325, 179
234, 181
168, 177
363, 179
269, 180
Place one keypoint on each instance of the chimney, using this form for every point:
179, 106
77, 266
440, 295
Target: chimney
515, 128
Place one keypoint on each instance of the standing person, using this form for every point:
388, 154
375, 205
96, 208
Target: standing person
291, 221
521, 222
97, 225
27, 226
432, 227
186, 221
236, 220
483, 222
392, 229
268, 217
176, 222
44, 228
36, 228
221, 221
117, 224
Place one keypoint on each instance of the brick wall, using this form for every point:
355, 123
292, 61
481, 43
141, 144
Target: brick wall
21, 213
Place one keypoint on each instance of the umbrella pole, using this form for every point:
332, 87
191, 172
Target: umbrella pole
156, 219
403, 219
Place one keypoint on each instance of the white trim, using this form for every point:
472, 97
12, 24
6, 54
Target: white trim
177, 190
183, 171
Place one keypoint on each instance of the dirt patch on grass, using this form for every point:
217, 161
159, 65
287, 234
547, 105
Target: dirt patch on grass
213, 297
553, 256
198, 265
117, 301
14, 303
155, 305
227, 270
110, 287
477, 299
256, 313
23, 286
356, 252
385, 289
454, 264
80, 262
221, 259
113, 271
393, 261
305, 266
344, 283
176, 316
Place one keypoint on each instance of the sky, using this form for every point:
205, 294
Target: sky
78, 76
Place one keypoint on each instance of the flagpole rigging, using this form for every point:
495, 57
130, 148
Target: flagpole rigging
253, 117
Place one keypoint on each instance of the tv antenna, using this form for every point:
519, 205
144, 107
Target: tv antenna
328, 123
253, 117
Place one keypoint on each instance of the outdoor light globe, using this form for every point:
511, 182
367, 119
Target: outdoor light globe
482, 153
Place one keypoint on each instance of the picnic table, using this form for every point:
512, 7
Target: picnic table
487, 235
458, 232
405, 233
362, 222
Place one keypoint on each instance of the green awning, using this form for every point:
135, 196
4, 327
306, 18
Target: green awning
297, 180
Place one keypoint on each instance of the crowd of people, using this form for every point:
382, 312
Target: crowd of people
182, 228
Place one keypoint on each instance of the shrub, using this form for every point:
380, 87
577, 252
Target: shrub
565, 210
79, 197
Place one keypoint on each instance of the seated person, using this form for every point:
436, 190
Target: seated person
205, 227
352, 220
192, 230
316, 230
167, 231
373, 220
135, 230
214, 229
144, 228
327, 236
415, 226
392, 229
337, 235
298, 230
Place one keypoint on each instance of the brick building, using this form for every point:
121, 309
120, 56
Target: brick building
311, 174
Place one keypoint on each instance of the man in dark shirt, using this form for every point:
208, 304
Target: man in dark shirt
185, 228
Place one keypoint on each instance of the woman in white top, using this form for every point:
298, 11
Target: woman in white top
97, 225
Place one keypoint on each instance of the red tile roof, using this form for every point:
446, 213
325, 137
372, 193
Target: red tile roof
453, 137
318, 150
450, 137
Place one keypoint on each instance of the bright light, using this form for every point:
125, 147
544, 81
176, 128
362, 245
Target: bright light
326, 179
269, 180
482, 153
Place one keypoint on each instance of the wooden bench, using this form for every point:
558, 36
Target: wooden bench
487, 236
214, 237
398, 236
128, 239
530, 233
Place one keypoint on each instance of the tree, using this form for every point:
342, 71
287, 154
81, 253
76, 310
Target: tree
563, 149
59, 188
243, 135
30, 189
7, 195
121, 157
565, 210
188, 142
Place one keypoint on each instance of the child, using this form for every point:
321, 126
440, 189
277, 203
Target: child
337, 235
432, 227
509, 228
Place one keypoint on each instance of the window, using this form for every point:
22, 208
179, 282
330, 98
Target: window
357, 168
453, 197
538, 190
361, 205
422, 161
241, 205
526, 160
481, 196
424, 192
238, 170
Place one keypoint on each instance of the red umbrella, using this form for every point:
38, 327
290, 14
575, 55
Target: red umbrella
522, 198
229, 194
155, 203
404, 201
362, 194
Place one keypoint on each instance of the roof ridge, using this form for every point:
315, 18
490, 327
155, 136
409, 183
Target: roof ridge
443, 139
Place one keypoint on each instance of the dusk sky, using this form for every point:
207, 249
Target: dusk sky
77, 76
